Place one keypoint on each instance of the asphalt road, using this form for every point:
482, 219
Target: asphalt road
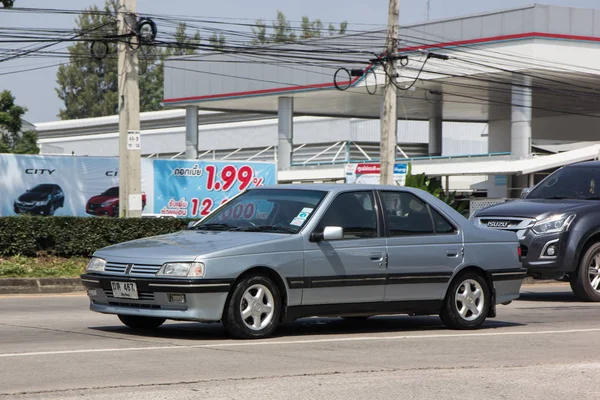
540, 347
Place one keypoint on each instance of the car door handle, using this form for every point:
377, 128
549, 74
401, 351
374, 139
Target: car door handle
452, 253
376, 256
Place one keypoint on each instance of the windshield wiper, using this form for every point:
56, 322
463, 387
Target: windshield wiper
213, 227
267, 228
558, 197
593, 198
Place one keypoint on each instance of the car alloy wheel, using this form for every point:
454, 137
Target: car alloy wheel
257, 307
253, 308
585, 281
469, 300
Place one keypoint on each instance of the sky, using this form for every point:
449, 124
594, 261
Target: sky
35, 89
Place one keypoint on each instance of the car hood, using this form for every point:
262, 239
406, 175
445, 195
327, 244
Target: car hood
33, 196
189, 244
101, 199
536, 208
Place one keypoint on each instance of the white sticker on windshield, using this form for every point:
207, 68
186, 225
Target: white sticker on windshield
302, 216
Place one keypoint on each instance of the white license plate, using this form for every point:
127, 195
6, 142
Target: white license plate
124, 290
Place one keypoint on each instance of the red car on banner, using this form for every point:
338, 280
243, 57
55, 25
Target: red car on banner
107, 203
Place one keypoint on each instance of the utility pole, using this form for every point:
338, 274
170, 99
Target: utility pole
130, 182
426, 10
389, 118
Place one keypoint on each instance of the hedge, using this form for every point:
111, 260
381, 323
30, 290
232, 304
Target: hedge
76, 236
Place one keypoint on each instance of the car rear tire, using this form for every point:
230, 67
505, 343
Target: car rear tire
253, 309
137, 322
467, 303
585, 282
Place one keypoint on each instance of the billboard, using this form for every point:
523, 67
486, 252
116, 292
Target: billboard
187, 188
369, 173
89, 186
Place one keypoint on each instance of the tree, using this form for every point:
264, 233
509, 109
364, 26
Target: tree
12, 139
282, 30
259, 30
7, 3
217, 42
89, 86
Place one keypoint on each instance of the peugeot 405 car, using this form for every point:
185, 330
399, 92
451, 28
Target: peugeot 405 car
278, 253
42, 199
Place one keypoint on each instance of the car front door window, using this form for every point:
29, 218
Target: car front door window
355, 213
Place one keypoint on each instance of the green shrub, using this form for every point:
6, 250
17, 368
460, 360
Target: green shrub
76, 236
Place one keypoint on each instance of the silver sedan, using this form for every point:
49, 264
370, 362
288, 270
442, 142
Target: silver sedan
274, 254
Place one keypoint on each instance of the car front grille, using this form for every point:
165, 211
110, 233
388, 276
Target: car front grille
136, 269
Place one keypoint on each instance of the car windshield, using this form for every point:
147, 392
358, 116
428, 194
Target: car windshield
42, 188
113, 192
265, 210
569, 183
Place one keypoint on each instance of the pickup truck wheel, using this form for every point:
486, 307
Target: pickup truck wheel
253, 309
136, 322
467, 302
585, 282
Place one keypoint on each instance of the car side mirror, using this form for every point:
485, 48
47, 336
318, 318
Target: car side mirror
329, 233
525, 192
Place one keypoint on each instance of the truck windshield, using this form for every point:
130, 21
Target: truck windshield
265, 210
569, 183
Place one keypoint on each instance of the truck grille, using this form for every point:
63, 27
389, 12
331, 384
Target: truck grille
136, 269
514, 224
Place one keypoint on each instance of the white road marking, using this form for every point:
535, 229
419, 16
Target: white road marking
296, 342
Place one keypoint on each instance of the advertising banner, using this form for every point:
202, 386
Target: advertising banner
62, 185
187, 188
369, 173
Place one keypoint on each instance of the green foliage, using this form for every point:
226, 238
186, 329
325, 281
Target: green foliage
12, 140
7, 3
76, 236
89, 87
42, 267
282, 31
434, 186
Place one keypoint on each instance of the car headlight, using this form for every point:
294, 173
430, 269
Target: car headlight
192, 269
554, 224
107, 203
96, 265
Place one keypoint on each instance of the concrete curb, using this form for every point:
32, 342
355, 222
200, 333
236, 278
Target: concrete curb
70, 285
40, 285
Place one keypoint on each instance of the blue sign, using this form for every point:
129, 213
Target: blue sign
195, 188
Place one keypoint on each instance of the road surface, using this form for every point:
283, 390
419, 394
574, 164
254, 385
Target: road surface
540, 347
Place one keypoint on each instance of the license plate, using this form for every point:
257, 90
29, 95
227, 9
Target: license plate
124, 290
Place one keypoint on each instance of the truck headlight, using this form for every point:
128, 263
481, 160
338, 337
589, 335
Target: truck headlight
554, 224
96, 265
191, 269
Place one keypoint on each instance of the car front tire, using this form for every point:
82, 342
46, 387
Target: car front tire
253, 309
585, 282
467, 303
137, 322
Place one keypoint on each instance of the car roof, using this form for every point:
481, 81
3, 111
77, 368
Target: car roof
584, 164
335, 187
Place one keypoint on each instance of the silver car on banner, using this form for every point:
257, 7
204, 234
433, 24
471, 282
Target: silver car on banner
278, 253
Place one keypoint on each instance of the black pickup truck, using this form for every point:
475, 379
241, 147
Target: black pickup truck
558, 225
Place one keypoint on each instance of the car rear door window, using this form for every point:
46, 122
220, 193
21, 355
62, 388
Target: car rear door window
406, 214
355, 212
